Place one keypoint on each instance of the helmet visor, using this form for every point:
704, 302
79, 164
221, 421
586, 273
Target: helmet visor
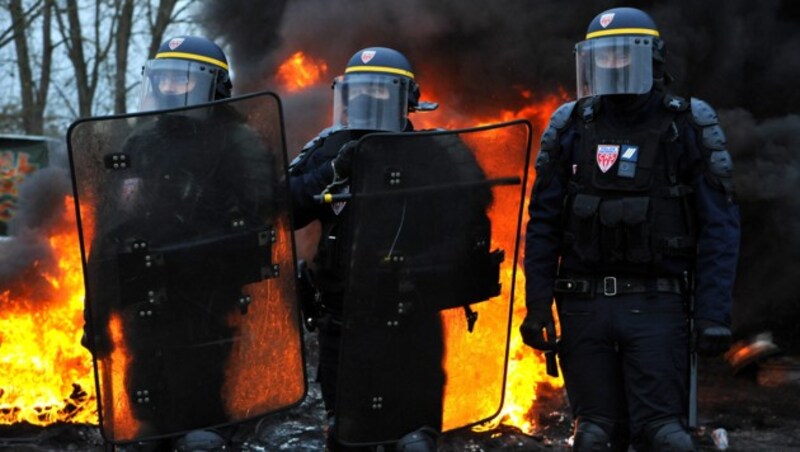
370, 102
172, 83
614, 65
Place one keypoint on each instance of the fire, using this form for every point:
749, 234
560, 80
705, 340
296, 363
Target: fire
525, 371
47, 374
300, 71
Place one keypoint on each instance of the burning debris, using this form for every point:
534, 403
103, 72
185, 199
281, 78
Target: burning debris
47, 374
300, 71
744, 353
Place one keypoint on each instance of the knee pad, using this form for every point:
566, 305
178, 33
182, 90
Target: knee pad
671, 437
422, 440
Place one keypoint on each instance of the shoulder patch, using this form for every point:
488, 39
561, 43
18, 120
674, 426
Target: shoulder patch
703, 114
675, 103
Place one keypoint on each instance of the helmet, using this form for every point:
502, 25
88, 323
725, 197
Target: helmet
187, 70
376, 92
622, 47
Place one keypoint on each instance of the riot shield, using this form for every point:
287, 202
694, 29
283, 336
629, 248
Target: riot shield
189, 266
434, 245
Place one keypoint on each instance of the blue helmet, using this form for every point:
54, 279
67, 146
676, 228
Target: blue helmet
186, 70
622, 48
376, 92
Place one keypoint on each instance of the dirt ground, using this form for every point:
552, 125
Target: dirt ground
755, 418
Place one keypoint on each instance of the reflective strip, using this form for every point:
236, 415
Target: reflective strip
623, 31
192, 56
390, 70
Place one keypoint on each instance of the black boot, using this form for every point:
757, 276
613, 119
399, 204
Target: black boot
200, 441
422, 440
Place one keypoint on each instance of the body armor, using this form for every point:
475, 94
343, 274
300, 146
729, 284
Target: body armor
627, 204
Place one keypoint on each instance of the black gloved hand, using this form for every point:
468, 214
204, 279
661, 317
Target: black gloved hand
712, 338
538, 330
343, 162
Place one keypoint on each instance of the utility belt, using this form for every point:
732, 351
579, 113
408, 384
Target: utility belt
610, 286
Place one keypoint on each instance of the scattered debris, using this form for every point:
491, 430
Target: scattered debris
750, 351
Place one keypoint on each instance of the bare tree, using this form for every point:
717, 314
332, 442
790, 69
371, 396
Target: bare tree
87, 70
123, 36
34, 96
97, 37
20, 18
159, 19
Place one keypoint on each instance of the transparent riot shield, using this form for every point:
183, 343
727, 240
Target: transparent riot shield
189, 263
434, 249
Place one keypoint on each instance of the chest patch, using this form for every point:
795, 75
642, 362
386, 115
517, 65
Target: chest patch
627, 162
606, 156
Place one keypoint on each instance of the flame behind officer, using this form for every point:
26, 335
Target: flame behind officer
375, 94
633, 191
192, 174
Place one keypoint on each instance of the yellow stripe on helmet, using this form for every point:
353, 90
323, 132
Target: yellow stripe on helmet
390, 70
623, 31
192, 56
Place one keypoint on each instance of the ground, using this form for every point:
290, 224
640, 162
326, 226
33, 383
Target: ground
755, 418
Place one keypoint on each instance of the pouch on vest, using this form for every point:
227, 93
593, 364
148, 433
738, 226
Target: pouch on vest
637, 229
584, 227
612, 235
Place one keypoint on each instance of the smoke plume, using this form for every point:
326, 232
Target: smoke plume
41, 212
738, 55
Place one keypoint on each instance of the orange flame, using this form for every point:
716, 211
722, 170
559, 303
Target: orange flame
47, 375
525, 370
299, 72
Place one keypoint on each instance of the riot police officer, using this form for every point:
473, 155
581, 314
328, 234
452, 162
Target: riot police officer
633, 190
375, 94
192, 175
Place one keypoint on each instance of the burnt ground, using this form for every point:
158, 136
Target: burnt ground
756, 418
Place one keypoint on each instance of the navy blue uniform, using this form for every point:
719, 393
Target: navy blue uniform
625, 201
310, 173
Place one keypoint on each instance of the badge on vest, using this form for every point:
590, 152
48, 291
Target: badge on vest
627, 162
606, 156
339, 205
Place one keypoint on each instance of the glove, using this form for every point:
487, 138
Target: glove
713, 338
539, 318
343, 161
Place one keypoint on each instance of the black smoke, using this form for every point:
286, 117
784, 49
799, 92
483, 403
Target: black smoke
26, 254
739, 55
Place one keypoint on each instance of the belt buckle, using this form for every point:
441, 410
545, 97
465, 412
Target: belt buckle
609, 286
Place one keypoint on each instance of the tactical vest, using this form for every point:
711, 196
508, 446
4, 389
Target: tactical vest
627, 207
